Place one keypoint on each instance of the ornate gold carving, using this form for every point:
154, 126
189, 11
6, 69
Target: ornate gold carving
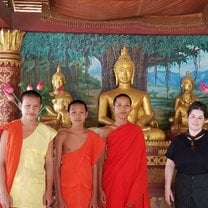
10, 45
156, 160
7, 109
161, 152
11, 40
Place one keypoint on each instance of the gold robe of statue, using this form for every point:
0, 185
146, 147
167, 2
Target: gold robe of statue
182, 102
57, 116
142, 113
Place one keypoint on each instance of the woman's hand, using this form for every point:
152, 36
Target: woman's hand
169, 198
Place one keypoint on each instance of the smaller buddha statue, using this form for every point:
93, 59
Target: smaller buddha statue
57, 115
182, 102
142, 113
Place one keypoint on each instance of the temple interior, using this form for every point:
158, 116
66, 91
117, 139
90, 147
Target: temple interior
77, 53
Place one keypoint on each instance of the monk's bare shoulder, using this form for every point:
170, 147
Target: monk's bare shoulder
106, 130
63, 134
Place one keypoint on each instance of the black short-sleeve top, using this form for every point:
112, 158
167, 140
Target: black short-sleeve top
188, 161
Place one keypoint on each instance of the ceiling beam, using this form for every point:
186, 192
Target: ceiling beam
5, 15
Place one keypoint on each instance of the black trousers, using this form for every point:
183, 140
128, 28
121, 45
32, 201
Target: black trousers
191, 191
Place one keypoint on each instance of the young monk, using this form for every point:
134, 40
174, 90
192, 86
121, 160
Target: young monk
76, 154
26, 158
123, 178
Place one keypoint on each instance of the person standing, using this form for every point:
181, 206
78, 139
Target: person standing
123, 167
188, 155
77, 150
26, 158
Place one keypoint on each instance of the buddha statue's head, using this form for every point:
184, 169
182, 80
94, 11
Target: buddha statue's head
58, 79
124, 68
187, 83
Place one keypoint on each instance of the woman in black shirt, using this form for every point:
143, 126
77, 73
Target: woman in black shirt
188, 154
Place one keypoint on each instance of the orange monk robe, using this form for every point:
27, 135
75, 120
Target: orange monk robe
125, 168
14, 145
76, 172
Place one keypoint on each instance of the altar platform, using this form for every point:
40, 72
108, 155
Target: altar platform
156, 160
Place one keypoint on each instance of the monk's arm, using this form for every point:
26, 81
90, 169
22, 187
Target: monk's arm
103, 133
93, 202
5, 199
57, 169
48, 197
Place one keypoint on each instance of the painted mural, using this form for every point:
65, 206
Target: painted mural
87, 61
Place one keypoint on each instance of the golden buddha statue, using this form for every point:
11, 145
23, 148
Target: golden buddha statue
57, 116
142, 113
182, 102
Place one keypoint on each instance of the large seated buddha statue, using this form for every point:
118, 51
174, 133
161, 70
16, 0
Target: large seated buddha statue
182, 102
142, 113
57, 114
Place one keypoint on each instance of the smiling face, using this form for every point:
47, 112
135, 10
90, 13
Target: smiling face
196, 120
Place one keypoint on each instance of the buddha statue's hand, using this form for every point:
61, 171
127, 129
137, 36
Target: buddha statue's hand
139, 124
52, 93
175, 125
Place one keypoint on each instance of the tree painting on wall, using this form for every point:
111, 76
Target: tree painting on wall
87, 61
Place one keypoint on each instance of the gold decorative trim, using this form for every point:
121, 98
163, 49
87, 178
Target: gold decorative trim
158, 143
10, 62
156, 160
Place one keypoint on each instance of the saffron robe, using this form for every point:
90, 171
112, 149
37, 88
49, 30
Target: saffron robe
76, 172
125, 169
26, 163
14, 145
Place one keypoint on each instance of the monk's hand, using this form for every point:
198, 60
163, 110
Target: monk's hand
60, 203
93, 203
5, 200
102, 197
47, 199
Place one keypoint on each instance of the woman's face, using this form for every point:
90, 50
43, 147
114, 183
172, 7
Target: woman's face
196, 120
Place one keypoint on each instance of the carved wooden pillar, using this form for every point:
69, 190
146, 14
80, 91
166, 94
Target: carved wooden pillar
10, 45
156, 160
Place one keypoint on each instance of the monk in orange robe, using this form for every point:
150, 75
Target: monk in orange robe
76, 154
123, 177
14, 145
